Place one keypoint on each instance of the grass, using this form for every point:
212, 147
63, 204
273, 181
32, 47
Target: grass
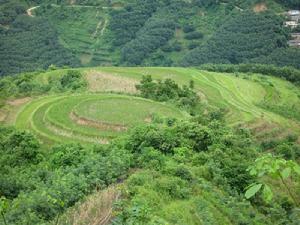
264, 103
101, 116
124, 111
96, 209
243, 96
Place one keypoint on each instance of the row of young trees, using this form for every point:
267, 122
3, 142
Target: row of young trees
244, 37
126, 23
31, 44
288, 73
155, 34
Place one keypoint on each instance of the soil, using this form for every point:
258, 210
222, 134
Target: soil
97, 124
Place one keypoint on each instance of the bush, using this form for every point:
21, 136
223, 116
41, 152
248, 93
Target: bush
20, 148
72, 80
168, 90
193, 35
188, 28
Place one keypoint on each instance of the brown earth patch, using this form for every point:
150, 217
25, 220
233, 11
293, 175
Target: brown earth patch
104, 82
263, 130
18, 101
202, 96
97, 124
3, 116
148, 119
260, 7
70, 134
97, 209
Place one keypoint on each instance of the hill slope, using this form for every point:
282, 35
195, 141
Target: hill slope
265, 104
80, 130
143, 32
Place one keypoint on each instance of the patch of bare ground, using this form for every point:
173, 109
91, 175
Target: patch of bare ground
96, 209
18, 101
3, 116
148, 119
13, 108
104, 82
260, 7
70, 134
97, 124
263, 130
202, 96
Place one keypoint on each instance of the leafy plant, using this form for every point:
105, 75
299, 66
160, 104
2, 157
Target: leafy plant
3, 208
277, 169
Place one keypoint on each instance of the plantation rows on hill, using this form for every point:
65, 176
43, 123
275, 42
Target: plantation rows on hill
142, 32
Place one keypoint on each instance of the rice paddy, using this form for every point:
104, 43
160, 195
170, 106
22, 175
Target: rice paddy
89, 118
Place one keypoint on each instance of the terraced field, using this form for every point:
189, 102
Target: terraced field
89, 118
80, 29
255, 101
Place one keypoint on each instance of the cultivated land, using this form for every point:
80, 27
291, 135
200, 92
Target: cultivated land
89, 118
256, 101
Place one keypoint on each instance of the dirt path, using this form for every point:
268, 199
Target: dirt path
97, 124
260, 7
96, 210
101, 25
29, 11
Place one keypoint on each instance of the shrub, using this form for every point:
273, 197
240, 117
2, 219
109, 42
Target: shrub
193, 35
21, 148
188, 28
73, 80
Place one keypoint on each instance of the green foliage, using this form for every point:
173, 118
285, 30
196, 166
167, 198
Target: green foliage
67, 155
290, 3
193, 35
126, 22
288, 73
72, 80
141, 32
27, 84
63, 176
175, 178
168, 90
4, 205
244, 37
18, 148
277, 169
35, 45
156, 33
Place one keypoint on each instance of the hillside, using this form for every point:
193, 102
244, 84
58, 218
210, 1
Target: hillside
149, 112
164, 149
257, 99
144, 33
